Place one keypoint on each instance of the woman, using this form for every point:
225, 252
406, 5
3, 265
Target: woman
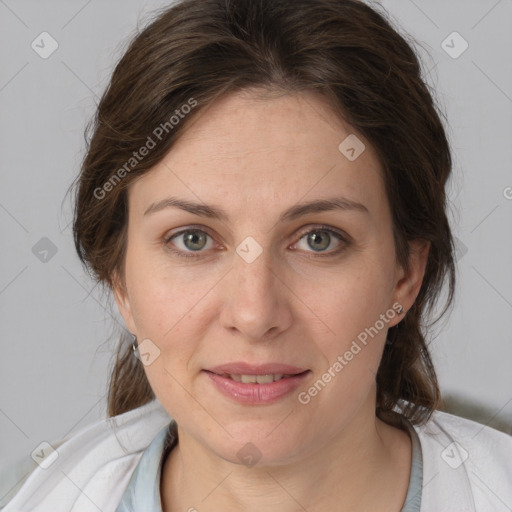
264, 194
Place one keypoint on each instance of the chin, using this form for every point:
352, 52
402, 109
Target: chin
257, 442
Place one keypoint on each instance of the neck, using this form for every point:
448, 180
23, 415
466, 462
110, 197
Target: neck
364, 467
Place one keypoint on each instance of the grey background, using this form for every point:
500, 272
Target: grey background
56, 327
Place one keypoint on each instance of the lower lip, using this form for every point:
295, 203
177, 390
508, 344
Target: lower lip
254, 393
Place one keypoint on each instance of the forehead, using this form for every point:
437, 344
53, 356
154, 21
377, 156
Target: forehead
249, 122
250, 149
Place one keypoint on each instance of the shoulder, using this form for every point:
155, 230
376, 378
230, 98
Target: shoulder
475, 438
466, 465
93, 465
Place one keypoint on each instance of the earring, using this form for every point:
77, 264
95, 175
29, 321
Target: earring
134, 344
400, 310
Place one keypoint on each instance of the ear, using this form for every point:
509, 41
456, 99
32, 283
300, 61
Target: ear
123, 302
409, 282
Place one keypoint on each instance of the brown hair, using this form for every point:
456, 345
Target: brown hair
198, 50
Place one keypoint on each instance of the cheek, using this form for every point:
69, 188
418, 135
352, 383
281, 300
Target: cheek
357, 298
165, 311
170, 307
352, 309
351, 351
162, 296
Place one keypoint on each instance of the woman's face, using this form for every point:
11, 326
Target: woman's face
249, 280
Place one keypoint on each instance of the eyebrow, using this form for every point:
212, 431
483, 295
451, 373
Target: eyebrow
215, 212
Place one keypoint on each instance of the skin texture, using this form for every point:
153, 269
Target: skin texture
255, 157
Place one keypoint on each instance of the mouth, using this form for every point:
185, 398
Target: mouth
256, 384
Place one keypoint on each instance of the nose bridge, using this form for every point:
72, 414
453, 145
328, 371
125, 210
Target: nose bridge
256, 305
254, 271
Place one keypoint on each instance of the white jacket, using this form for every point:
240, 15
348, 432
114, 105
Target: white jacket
466, 466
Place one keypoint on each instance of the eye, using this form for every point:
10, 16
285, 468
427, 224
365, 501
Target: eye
320, 239
189, 241
193, 240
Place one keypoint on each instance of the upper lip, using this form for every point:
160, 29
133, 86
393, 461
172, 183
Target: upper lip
242, 368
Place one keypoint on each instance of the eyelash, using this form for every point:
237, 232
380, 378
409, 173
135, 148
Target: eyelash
343, 239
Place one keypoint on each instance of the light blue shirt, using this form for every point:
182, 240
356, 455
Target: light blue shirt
143, 491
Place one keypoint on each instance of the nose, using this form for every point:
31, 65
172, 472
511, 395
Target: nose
257, 301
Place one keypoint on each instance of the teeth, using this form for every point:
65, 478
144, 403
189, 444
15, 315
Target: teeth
265, 379
260, 379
